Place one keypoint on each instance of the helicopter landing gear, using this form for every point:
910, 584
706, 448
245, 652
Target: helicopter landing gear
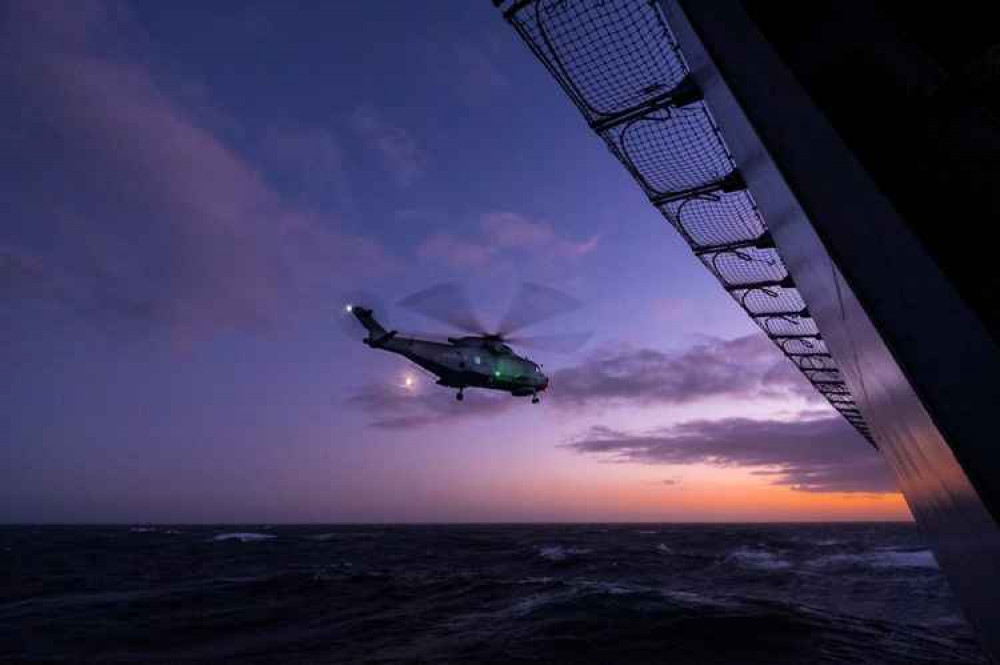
459, 395
534, 398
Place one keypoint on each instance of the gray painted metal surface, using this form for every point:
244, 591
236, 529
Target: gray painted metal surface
919, 363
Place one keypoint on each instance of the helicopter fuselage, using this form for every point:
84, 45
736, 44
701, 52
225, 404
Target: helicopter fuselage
464, 362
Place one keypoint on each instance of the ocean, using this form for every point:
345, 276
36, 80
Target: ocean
596, 593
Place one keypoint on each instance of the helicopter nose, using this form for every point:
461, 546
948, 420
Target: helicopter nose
545, 383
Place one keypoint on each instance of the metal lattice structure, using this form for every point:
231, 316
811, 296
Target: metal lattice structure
621, 66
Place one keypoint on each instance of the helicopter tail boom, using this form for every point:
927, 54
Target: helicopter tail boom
377, 335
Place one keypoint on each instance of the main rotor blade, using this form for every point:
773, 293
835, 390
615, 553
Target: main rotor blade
446, 303
533, 304
559, 343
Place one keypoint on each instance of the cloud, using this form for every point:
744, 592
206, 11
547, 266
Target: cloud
460, 253
503, 234
510, 230
128, 204
809, 454
397, 407
311, 160
477, 75
401, 156
746, 367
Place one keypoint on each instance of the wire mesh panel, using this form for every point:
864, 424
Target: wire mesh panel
743, 267
799, 345
618, 62
612, 55
813, 361
671, 150
714, 219
823, 375
769, 300
787, 325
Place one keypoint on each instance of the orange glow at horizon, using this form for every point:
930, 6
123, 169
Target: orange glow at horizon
687, 494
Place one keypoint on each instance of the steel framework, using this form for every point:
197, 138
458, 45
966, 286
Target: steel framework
620, 65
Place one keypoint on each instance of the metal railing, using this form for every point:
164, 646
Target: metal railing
620, 65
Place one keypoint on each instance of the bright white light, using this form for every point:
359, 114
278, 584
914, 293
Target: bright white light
408, 382
349, 308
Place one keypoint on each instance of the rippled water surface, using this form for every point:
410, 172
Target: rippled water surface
861, 593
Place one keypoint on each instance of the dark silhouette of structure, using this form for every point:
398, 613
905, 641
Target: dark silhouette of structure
831, 166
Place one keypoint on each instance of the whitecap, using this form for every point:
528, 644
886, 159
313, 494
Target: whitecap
881, 558
560, 553
536, 580
663, 549
243, 537
760, 559
610, 588
914, 559
690, 598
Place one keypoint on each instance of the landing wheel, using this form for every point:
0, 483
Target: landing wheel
534, 399
459, 396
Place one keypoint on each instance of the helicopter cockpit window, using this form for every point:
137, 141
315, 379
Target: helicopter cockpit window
477, 359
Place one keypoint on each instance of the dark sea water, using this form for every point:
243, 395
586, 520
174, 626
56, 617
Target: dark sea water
708, 594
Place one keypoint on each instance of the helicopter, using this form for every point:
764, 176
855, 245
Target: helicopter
479, 359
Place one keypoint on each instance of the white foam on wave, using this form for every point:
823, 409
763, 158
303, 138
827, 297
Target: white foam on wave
663, 549
883, 558
690, 598
760, 559
536, 580
560, 553
914, 559
243, 537
610, 588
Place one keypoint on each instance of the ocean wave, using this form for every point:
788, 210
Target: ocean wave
760, 559
561, 553
884, 558
663, 549
699, 600
536, 580
243, 537
609, 588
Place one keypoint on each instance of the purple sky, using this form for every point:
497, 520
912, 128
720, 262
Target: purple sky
189, 187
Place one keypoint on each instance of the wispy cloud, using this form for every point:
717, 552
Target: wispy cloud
150, 214
502, 234
457, 252
400, 153
398, 407
478, 75
809, 454
311, 161
746, 367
